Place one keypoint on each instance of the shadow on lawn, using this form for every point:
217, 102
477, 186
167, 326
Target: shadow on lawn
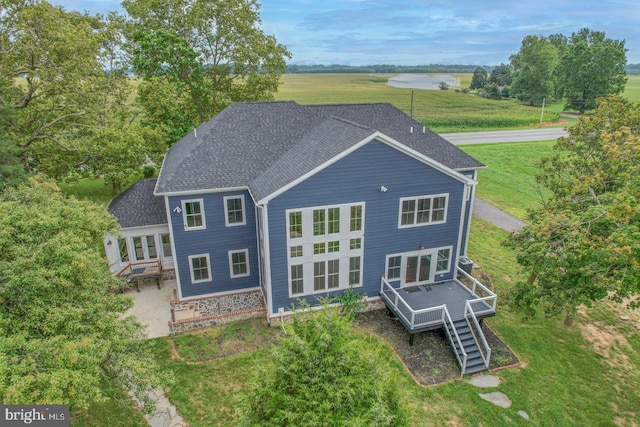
430, 360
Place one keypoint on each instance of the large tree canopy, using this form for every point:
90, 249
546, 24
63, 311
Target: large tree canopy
592, 66
60, 328
203, 54
533, 70
63, 75
583, 245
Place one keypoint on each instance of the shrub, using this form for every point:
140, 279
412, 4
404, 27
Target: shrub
149, 171
351, 302
325, 376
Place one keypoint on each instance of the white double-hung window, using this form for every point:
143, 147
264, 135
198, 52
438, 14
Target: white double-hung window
325, 248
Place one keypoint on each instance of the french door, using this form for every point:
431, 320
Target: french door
419, 269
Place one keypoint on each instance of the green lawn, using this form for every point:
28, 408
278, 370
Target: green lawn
508, 181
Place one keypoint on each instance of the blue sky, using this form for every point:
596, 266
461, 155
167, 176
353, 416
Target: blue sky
412, 32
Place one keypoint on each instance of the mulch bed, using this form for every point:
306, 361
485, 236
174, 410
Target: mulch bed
430, 359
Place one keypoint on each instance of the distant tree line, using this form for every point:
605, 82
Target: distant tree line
381, 68
632, 69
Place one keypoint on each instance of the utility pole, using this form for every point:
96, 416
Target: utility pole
411, 104
542, 112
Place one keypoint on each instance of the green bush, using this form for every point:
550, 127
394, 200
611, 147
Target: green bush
149, 171
325, 376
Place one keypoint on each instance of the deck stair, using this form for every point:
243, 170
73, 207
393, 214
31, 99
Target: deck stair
474, 360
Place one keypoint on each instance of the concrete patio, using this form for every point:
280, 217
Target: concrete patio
151, 306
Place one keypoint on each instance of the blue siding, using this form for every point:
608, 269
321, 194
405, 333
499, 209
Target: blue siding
216, 240
357, 178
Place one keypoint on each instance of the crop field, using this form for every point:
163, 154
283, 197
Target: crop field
442, 111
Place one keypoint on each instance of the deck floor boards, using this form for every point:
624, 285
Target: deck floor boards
450, 293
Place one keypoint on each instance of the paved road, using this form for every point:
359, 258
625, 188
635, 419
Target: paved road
541, 134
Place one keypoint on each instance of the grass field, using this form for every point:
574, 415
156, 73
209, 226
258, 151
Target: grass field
508, 181
442, 111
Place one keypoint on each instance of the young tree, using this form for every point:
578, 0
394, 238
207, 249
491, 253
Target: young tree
583, 244
591, 67
212, 52
61, 331
324, 377
534, 70
479, 78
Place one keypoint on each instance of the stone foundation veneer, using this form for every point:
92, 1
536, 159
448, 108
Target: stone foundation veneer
204, 312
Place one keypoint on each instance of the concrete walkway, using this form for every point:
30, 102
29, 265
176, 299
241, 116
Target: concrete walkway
490, 213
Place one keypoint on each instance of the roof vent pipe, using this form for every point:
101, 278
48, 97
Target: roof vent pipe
424, 129
411, 130
195, 133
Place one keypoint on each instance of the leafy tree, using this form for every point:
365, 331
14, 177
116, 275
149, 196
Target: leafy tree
534, 70
583, 244
61, 331
591, 67
47, 55
203, 55
64, 75
324, 377
501, 75
479, 78
11, 170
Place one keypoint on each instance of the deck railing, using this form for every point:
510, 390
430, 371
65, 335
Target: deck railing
414, 318
486, 301
478, 335
454, 339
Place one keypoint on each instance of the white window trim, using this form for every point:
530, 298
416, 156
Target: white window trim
403, 263
416, 198
308, 240
184, 215
210, 279
246, 257
226, 211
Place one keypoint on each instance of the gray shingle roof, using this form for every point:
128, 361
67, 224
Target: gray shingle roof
266, 145
137, 206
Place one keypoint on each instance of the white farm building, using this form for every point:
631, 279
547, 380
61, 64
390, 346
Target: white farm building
421, 81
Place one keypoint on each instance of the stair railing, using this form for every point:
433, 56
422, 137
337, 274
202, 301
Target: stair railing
453, 339
478, 335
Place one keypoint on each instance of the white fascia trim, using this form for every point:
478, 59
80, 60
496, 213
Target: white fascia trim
267, 256
427, 160
473, 199
383, 138
317, 169
143, 227
202, 191
173, 249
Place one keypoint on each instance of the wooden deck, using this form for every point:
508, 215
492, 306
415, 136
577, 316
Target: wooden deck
136, 271
454, 306
451, 293
422, 308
